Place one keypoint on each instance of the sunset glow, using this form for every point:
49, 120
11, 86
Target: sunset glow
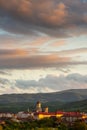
43, 45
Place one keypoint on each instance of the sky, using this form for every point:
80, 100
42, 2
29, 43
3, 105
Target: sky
43, 45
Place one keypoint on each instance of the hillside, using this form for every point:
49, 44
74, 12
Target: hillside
74, 106
53, 106
63, 96
75, 99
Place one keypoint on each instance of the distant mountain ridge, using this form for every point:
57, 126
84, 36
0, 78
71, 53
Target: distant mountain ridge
71, 95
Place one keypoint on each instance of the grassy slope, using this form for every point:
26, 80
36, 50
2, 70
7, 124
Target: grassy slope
53, 106
65, 100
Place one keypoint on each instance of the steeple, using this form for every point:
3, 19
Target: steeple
38, 107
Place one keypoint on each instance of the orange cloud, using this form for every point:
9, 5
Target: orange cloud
22, 7
58, 43
6, 53
56, 16
40, 41
21, 59
44, 11
51, 17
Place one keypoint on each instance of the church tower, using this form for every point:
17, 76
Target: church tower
46, 109
38, 107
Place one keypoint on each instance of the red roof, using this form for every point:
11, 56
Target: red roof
60, 112
65, 114
72, 114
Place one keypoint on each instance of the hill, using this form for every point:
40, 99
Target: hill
74, 106
75, 99
62, 96
53, 106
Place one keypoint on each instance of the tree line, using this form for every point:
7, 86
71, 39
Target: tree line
43, 124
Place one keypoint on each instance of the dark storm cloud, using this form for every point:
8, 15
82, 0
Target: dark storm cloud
47, 16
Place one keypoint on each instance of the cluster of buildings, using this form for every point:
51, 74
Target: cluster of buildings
65, 116
40, 113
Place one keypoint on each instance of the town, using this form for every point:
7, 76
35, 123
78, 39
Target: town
40, 113
41, 119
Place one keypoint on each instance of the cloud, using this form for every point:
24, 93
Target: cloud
19, 60
71, 52
56, 17
4, 81
39, 41
26, 59
50, 83
7, 53
48, 17
4, 73
58, 43
75, 51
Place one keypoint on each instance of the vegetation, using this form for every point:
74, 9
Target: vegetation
69, 100
63, 96
75, 106
44, 124
53, 106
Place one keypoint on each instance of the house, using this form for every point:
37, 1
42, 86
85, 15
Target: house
73, 116
41, 115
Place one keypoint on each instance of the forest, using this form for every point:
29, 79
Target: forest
43, 124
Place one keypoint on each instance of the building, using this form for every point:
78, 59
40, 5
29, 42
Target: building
73, 116
65, 116
41, 115
38, 107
